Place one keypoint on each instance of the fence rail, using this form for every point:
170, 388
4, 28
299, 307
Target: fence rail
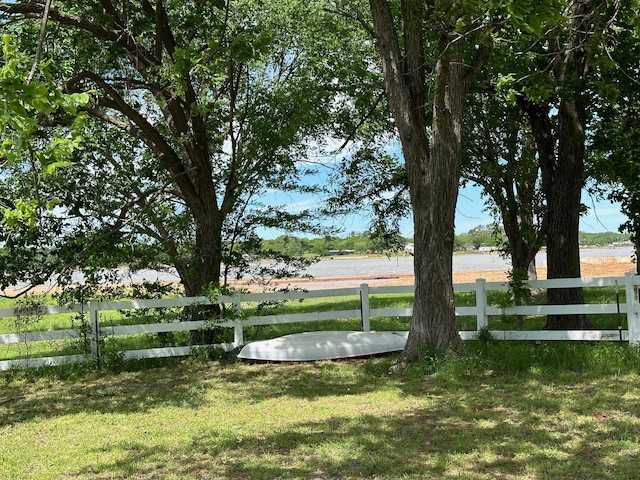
630, 308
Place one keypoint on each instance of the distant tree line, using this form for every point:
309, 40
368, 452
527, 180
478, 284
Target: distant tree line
323, 246
359, 243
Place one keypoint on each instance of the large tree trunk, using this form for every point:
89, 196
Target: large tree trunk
205, 267
562, 182
636, 247
565, 176
563, 216
434, 188
433, 169
203, 270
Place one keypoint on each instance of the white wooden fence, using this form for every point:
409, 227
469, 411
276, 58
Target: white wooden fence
629, 308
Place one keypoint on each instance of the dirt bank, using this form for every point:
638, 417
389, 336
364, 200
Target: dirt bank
593, 267
590, 268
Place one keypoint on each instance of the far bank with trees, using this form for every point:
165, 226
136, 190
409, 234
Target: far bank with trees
480, 238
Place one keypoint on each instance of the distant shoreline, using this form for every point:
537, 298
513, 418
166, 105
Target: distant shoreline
591, 267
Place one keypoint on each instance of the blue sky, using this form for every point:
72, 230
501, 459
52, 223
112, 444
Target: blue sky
602, 216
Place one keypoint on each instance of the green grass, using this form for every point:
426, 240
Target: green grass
504, 410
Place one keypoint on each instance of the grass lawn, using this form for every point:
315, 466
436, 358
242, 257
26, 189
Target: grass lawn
505, 410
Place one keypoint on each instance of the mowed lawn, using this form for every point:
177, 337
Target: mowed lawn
503, 411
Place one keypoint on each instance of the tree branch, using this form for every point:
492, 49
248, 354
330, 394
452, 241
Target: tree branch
479, 61
43, 31
357, 17
110, 10
362, 121
166, 155
119, 36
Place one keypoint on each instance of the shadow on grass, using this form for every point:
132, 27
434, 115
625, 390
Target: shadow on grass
472, 430
542, 416
24, 396
310, 380
186, 384
89, 391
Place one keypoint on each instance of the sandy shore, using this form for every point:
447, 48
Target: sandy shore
593, 267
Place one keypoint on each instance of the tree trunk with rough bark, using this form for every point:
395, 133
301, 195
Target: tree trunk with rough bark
204, 270
433, 160
565, 175
562, 182
636, 247
563, 197
434, 189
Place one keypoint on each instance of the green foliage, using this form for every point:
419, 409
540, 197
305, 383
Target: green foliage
28, 314
25, 105
80, 322
364, 242
217, 108
480, 236
484, 337
517, 286
26, 110
501, 158
614, 151
533, 17
359, 243
22, 212
602, 238
265, 80
375, 183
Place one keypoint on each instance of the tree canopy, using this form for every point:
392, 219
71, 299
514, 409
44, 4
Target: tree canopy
173, 118
197, 109
25, 105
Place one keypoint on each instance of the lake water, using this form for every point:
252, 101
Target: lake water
402, 265
338, 267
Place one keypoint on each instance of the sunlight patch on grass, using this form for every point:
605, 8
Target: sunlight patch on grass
323, 420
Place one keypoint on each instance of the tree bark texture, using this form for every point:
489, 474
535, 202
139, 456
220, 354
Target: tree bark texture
433, 167
434, 202
563, 196
562, 182
563, 174
568, 177
636, 246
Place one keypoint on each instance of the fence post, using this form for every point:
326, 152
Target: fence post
481, 304
365, 310
95, 331
633, 316
238, 334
